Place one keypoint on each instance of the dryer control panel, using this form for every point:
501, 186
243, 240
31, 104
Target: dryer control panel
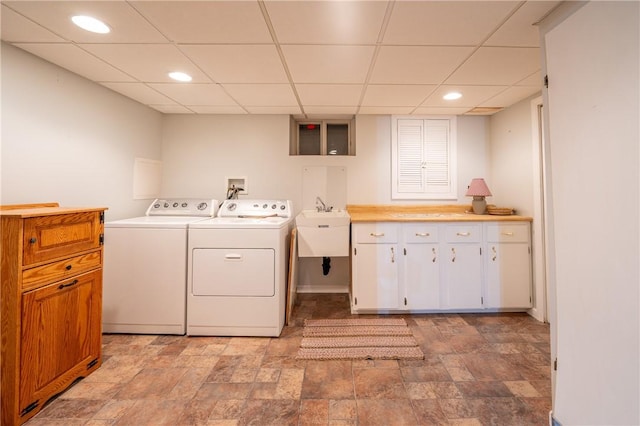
255, 208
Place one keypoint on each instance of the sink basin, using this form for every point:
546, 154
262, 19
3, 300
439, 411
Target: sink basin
323, 234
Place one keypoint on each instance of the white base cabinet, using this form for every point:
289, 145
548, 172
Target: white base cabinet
447, 266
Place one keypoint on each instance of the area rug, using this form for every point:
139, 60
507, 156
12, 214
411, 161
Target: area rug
358, 338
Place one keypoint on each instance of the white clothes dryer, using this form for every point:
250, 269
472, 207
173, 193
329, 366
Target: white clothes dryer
145, 268
237, 270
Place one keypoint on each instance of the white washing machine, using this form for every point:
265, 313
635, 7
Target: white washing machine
237, 266
145, 268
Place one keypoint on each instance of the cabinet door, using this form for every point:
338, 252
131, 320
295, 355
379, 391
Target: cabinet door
463, 276
421, 277
375, 276
61, 336
508, 275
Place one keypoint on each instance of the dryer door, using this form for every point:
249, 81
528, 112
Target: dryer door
233, 272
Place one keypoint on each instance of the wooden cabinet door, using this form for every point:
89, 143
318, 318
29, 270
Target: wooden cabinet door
463, 276
61, 336
375, 276
50, 237
508, 275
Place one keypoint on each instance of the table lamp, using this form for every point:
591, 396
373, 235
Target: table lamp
478, 189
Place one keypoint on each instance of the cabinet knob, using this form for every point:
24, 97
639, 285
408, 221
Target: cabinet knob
33, 240
68, 267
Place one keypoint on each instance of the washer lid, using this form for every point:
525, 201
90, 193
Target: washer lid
165, 222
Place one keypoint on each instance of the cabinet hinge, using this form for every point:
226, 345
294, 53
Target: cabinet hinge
555, 364
355, 300
101, 239
29, 407
101, 217
481, 300
480, 251
355, 251
546, 81
405, 301
529, 249
405, 251
92, 363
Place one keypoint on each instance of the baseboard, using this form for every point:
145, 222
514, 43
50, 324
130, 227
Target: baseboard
323, 288
552, 420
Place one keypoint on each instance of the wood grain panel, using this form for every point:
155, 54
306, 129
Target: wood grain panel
32, 278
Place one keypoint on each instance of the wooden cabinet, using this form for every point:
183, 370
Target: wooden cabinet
508, 265
51, 303
447, 266
375, 266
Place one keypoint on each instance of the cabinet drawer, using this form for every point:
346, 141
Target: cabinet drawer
508, 233
371, 233
60, 270
463, 233
420, 233
52, 237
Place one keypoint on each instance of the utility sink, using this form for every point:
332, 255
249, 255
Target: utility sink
323, 234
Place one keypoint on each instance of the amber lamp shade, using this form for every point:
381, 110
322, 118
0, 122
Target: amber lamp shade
478, 189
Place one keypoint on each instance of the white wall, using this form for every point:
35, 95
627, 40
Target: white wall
511, 158
69, 140
593, 65
199, 151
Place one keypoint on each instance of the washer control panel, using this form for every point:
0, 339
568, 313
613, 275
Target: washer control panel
183, 207
255, 208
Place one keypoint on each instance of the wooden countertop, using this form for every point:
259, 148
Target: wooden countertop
419, 213
46, 211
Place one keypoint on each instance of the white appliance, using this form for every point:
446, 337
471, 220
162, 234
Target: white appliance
238, 270
145, 268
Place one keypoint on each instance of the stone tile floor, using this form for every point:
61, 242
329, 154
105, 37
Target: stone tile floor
479, 369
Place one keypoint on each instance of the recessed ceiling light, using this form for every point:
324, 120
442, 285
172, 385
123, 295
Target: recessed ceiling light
180, 76
452, 96
91, 24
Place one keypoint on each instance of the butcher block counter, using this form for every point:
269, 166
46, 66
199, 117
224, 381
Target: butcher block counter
421, 213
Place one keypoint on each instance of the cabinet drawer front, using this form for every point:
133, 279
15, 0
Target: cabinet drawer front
420, 233
463, 233
508, 233
371, 233
50, 237
33, 277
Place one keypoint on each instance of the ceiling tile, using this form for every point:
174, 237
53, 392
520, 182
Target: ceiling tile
416, 64
195, 94
385, 110
207, 21
323, 111
17, 28
140, 92
471, 96
510, 96
327, 22
329, 94
328, 64
262, 94
287, 110
212, 109
159, 60
172, 109
439, 111
238, 63
534, 79
76, 60
519, 30
126, 24
462, 23
497, 65
396, 95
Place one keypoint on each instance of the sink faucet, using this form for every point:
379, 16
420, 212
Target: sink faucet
322, 207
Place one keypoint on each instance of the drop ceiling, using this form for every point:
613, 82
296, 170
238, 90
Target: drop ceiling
304, 58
